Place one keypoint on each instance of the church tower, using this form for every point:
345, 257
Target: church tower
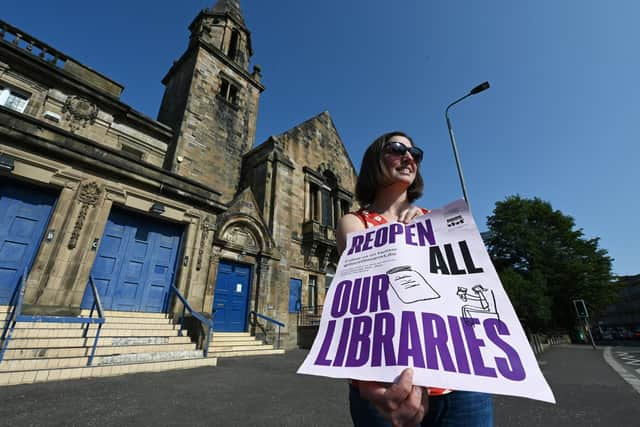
211, 100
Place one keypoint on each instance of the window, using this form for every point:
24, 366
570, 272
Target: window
314, 203
344, 208
233, 44
229, 92
326, 201
312, 294
12, 99
328, 278
327, 207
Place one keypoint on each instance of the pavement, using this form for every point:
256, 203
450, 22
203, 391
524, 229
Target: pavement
266, 391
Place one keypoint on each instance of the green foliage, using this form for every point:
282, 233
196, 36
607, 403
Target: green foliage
544, 262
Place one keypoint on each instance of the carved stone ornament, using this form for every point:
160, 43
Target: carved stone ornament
89, 196
241, 237
79, 112
310, 255
206, 226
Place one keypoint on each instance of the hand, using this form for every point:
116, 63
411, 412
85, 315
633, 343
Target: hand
410, 213
402, 403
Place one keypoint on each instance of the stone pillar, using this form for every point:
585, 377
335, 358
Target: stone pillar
49, 252
214, 260
307, 201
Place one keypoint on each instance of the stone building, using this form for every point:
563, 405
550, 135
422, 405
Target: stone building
91, 188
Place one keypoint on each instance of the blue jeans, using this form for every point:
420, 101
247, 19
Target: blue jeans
456, 409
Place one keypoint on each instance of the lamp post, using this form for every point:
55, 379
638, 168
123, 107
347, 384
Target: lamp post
481, 87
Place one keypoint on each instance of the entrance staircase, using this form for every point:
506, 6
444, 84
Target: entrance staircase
129, 343
230, 344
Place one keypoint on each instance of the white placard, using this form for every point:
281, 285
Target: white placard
424, 295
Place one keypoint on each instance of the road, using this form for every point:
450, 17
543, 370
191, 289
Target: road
265, 391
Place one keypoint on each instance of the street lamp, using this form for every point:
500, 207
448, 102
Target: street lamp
481, 87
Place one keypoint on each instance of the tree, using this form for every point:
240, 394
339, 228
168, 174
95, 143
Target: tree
544, 262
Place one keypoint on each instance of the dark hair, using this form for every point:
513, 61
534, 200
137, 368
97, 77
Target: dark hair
373, 174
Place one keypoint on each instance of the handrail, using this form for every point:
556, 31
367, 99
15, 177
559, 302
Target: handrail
206, 322
16, 316
96, 304
269, 319
7, 331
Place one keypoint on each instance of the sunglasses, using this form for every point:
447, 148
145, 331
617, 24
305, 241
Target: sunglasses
400, 149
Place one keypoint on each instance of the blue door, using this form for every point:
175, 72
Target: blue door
295, 295
24, 214
136, 263
231, 297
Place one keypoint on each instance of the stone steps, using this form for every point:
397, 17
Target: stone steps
106, 360
238, 353
102, 342
28, 377
129, 342
32, 353
45, 332
239, 344
108, 324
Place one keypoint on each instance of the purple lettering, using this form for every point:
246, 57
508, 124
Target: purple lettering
511, 367
342, 345
395, 229
379, 293
360, 342
356, 244
383, 329
340, 303
382, 234
458, 345
425, 233
368, 239
474, 344
360, 295
326, 344
408, 234
435, 342
409, 341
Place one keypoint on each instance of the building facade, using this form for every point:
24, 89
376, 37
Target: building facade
91, 189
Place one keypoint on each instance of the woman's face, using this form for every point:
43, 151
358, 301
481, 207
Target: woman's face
400, 168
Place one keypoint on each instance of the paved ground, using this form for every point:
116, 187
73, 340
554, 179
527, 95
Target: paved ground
588, 393
265, 391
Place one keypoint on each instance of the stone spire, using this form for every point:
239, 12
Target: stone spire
231, 8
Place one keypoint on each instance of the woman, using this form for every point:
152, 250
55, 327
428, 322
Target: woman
388, 183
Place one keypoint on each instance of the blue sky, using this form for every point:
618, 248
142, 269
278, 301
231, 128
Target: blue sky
560, 121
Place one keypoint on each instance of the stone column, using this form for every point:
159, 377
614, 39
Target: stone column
307, 200
214, 260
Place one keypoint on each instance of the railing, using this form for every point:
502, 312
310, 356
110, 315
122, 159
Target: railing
39, 49
540, 342
16, 316
310, 316
19, 38
313, 230
208, 323
268, 319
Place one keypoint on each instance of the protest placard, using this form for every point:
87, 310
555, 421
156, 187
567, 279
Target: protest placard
424, 295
